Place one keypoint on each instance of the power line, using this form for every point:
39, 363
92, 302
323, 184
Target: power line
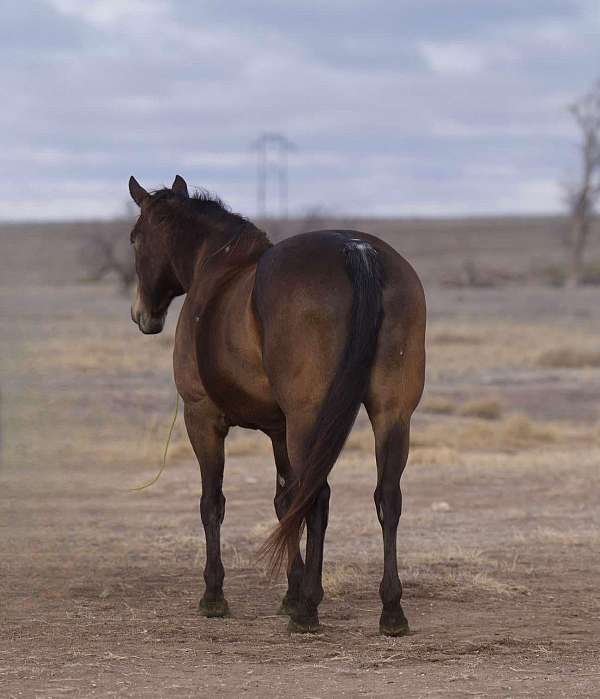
272, 148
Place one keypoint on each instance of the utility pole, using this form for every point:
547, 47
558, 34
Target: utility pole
272, 145
261, 176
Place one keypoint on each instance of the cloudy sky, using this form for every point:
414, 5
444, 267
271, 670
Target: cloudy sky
412, 107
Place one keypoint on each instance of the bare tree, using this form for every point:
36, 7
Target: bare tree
583, 196
106, 251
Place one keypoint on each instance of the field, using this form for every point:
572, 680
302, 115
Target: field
498, 542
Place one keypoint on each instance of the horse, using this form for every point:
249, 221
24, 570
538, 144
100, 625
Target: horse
290, 339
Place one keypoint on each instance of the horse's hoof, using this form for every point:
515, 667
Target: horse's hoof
213, 608
287, 607
393, 624
304, 624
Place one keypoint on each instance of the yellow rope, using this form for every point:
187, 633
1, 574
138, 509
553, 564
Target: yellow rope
164, 458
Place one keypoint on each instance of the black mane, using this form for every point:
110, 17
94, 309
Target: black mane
170, 208
201, 200
201, 203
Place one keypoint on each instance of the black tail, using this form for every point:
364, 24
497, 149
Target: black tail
346, 393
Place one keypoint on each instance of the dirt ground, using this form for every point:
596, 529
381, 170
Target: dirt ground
498, 543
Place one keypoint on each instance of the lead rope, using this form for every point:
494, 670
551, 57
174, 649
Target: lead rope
164, 458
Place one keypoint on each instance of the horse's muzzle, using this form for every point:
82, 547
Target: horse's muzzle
148, 324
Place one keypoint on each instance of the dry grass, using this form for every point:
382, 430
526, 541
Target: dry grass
181, 451
247, 445
498, 346
485, 581
338, 578
489, 408
569, 358
486, 407
261, 530
239, 445
443, 553
91, 351
438, 405
361, 440
513, 432
435, 456
462, 567
567, 537
447, 442
454, 337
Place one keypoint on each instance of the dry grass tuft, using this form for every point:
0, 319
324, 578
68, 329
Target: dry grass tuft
438, 405
489, 408
514, 432
569, 358
451, 337
339, 578
487, 582
567, 537
462, 567
520, 431
444, 554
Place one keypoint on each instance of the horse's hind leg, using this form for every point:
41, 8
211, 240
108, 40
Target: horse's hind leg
207, 436
305, 617
391, 444
283, 499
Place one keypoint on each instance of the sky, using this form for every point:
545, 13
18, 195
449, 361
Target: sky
406, 108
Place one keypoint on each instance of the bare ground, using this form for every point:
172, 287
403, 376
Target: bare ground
498, 546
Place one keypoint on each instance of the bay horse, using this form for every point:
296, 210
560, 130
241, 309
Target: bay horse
289, 339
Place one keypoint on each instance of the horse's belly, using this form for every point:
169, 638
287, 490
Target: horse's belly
242, 391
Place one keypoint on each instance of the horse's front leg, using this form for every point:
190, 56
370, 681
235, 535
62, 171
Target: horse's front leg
207, 433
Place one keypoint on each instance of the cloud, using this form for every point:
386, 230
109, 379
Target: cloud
389, 104
452, 58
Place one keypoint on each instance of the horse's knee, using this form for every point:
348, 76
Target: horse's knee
388, 503
212, 508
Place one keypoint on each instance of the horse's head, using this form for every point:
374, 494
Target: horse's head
157, 282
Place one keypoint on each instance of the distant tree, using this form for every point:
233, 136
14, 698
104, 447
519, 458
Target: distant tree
106, 251
583, 195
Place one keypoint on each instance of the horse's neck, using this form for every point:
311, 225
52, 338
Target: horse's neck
231, 253
208, 243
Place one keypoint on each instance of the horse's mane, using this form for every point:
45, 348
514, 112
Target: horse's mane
202, 206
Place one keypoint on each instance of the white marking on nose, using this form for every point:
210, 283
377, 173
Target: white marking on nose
281, 480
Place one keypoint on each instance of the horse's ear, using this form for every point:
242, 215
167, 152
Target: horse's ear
138, 193
180, 187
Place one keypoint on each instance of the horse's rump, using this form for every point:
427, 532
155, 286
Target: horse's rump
320, 306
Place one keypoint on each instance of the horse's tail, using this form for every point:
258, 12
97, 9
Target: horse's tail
344, 397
